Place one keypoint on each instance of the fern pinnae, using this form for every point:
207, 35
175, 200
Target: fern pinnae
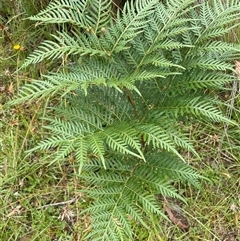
194, 107
207, 110
100, 15
87, 119
63, 45
161, 19
217, 47
168, 166
81, 150
75, 13
51, 13
50, 142
213, 81
158, 137
66, 128
131, 23
63, 151
155, 182
214, 20
118, 143
37, 89
97, 147
116, 214
209, 63
183, 142
130, 136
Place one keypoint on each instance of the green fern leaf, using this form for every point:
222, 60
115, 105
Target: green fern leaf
128, 85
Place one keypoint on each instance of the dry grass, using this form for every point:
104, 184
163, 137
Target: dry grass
42, 202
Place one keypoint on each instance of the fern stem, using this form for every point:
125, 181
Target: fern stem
130, 98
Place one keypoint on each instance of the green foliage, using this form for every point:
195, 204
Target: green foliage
128, 86
126, 191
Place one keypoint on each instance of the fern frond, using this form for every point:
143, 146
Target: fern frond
37, 89
217, 47
122, 142
168, 165
124, 29
81, 149
129, 188
87, 15
194, 107
218, 19
51, 142
99, 16
202, 80
64, 45
132, 81
62, 11
87, 121
96, 146
158, 137
207, 62
159, 28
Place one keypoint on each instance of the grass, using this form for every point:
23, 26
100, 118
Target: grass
39, 201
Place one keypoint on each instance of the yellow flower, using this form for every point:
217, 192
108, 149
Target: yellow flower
16, 47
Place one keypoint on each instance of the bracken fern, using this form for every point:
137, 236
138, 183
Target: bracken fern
131, 81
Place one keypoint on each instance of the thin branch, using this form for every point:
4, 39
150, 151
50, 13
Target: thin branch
58, 204
6, 33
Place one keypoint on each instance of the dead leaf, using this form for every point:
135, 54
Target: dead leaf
237, 68
175, 216
2, 88
15, 211
27, 237
15, 123
10, 88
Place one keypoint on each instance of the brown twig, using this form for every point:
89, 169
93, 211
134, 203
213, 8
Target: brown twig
6, 33
129, 96
58, 203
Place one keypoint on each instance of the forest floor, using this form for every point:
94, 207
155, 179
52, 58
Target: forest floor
41, 202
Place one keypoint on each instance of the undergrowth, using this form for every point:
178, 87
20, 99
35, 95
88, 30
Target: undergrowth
122, 146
